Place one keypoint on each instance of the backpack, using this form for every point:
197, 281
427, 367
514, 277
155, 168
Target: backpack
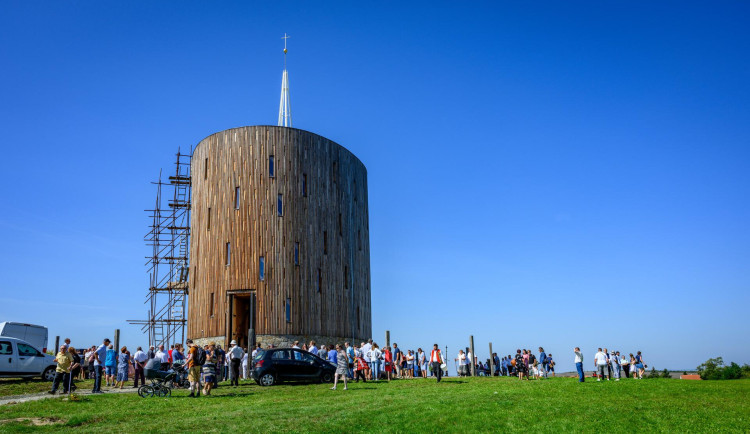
200, 356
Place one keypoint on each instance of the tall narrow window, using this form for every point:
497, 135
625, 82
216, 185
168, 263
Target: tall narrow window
288, 310
229, 253
262, 268
346, 277
211, 305
296, 253
335, 170
236, 198
359, 239
341, 226
325, 242
304, 185
270, 166
320, 280
208, 220
205, 169
280, 206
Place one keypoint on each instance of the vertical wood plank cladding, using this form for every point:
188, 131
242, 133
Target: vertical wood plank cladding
336, 183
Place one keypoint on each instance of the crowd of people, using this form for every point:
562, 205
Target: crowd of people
612, 365
205, 366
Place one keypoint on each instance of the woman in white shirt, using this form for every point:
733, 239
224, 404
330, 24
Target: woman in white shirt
374, 356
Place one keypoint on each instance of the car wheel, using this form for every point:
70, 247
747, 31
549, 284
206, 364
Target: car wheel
49, 374
267, 380
327, 377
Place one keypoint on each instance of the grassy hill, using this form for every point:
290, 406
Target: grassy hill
472, 404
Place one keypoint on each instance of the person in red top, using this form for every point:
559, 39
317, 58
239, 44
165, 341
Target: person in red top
171, 348
388, 358
436, 359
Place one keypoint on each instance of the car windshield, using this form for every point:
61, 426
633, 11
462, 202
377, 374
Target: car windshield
259, 355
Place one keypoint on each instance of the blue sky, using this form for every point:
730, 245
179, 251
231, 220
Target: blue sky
540, 174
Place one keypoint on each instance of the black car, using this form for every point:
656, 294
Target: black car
290, 364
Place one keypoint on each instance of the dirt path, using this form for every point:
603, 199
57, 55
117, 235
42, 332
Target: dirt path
17, 399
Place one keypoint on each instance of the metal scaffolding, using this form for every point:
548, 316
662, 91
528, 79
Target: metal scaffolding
168, 265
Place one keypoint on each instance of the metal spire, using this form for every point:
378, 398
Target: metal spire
285, 105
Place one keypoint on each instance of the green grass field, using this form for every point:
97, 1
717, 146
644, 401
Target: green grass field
473, 404
23, 386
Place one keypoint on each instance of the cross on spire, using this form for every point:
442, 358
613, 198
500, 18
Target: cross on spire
285, 105
285, 37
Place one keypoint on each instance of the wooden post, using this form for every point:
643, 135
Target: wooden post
473, 355
117, 344
387, 338
57, 345
492, 362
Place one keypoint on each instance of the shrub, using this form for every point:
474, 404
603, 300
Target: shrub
665, 374
714, 369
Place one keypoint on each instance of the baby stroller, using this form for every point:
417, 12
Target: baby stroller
181, 374
161, 384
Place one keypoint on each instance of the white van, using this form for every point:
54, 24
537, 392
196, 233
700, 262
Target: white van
36, 335
20, 359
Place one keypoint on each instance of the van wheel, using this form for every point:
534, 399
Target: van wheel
49, 374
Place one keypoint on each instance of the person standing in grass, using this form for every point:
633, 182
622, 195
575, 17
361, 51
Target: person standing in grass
123, 363
600, 363
110, 365
194, 369
550, 365
313, 349
614, 361
436, 360
342, 366
462, 363
374, 357
422, 360
579, 365
209, 369
522, 364
323, 353
235, 359
64, 361
640, 365
139, 361
350, 355
388, 362
543, 362
163, 357
75, 368
333, 354
361, 368
397, 356
625, 362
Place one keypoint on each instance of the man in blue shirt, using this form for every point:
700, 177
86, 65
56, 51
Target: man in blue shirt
332, 356
496, 363
100, 355
397, 359
350, 356
543, 361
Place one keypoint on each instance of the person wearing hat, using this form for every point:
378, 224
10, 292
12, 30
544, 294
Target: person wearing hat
235, 360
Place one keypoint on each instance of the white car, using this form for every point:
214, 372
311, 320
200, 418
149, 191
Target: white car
20, 359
